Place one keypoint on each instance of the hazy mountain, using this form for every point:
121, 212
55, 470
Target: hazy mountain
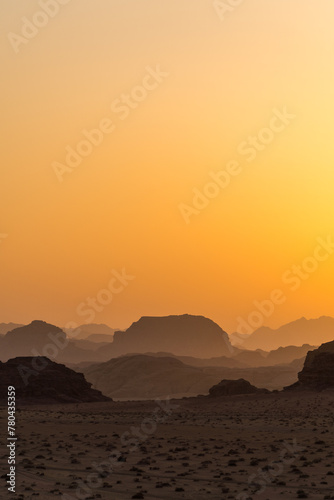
40, 338
7, 327
280, 356
201, 362
88, 344
252, 358
285, 355
100, 337
79, 367
147, 377
298, 363
99, 332
245, 359
184, 335
37, 379
179, 334
297, 333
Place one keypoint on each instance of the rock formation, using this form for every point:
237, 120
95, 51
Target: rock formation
184, 335
235, 387
39, 380
318, 370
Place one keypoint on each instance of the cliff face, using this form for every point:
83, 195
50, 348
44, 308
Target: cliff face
41, 380
318, 370
184, 335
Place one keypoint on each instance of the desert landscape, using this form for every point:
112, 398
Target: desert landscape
167, 250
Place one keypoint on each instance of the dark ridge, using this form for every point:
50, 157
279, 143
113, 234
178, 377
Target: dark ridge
40, 380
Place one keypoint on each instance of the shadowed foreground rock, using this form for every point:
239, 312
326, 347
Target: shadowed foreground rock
39, 380
318, 371
235, 387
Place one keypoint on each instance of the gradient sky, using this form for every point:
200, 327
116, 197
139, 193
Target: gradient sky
120, 207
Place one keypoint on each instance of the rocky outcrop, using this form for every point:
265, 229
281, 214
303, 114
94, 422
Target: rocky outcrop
318, 370
39, 380
234, 388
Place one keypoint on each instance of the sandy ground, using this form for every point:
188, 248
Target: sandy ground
255, 447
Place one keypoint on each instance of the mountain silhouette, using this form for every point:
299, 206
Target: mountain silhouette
184, 335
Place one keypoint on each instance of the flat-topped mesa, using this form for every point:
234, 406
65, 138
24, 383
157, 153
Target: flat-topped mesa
184, 335
38, 379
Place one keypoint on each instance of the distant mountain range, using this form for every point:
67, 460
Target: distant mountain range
194, 340
296, 333
147, 377
243, 359
171, 356
280, 356
184, 335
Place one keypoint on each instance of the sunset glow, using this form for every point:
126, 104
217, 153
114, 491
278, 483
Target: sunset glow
118, 113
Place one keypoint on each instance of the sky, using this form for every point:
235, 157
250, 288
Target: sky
210, 175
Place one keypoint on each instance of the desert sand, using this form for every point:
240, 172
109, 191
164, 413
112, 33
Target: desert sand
270, 446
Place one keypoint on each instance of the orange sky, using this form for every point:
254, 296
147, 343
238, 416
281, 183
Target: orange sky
120, 207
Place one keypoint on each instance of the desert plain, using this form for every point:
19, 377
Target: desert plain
261, 447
